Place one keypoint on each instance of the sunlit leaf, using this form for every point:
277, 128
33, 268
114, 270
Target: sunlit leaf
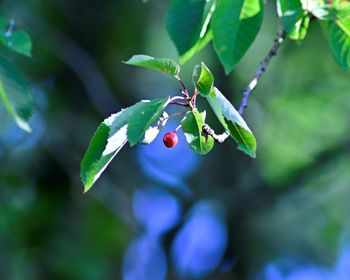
15, 94
153, 131
343, 19
107, 141
321, 9
16, 39
165, 65
300, 29
235, 24
324, 12
202, 79
342, 10
128, 124
312, 4
233, 122
145, 115
192, 125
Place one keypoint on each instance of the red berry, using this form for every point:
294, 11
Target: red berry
170, 139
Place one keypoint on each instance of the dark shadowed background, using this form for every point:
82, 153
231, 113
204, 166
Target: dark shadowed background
171, 214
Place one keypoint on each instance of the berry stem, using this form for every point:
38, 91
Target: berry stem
179, 103
184, 89
177, 128
176, 114
193, 99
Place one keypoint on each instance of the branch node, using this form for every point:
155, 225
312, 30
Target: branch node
207, 130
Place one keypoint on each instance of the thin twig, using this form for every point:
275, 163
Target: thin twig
194, 98
263, 65
177, 97
177, 128
184, 89
179, 103
176, 114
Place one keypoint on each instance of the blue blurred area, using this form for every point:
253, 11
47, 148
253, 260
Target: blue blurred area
342, 267
156, 209
293, 270
200, 244
308, 273
144, 260
14, 139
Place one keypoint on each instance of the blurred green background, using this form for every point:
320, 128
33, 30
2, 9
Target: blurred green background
161, 214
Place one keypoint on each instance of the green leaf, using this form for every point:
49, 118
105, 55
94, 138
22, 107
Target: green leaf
145, 115
187, 23
339, 42
192, 125
343, 19
203, 79
235, 24
201, 43
338, 32
300, 29
16, 39
165, 65
107, 141
342, 10
153, 131
294, 18
113, 134
233, 122
290, 12
15, 94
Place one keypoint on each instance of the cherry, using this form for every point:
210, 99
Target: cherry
170, 139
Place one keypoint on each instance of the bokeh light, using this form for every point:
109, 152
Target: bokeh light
342, 267
144, 260
290, 269
15, 139
156, 209
200, 244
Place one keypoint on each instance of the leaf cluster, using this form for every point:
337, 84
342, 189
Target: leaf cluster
142, 122
232, 26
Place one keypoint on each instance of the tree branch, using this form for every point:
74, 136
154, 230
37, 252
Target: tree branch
206, 129
263, 65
